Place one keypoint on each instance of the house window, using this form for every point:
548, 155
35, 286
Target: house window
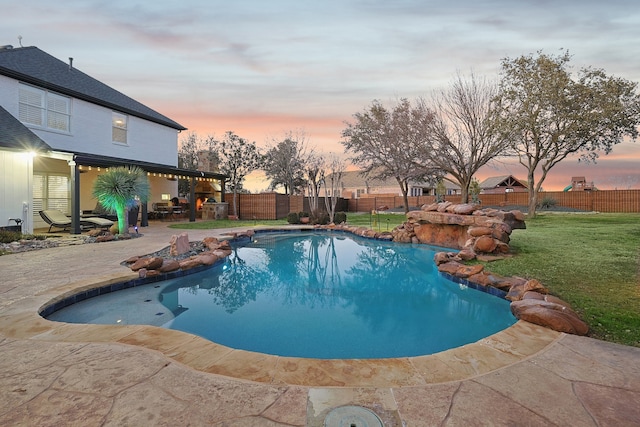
44, 109
119, 128
51, 191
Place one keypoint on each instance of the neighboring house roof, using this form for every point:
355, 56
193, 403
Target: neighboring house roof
502, 181
15, 135
31, 65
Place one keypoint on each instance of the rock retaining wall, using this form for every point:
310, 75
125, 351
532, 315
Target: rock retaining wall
463, 226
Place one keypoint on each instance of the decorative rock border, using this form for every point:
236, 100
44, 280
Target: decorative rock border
530, 300
215, 249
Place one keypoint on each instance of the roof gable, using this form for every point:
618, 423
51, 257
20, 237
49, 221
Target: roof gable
502, 181
32, 65
15, 135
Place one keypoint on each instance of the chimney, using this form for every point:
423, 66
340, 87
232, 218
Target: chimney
70, 63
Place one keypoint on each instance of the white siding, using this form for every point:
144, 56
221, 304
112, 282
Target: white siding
91, 127
91, 132
15, 189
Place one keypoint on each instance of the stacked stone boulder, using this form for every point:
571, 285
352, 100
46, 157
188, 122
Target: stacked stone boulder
485, 234
530, 300
359, 231
461, 226
148, 266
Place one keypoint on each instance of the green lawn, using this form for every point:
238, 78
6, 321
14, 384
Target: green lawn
589, 260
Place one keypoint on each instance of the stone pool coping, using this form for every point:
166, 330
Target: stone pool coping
516, 343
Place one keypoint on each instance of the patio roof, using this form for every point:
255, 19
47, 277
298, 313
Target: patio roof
105, 161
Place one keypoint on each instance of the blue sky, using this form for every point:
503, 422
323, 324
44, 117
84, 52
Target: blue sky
262, 68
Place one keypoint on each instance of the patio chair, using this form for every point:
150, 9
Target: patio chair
95, 222
55, 218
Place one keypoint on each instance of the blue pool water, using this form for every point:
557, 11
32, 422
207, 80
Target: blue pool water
316, 295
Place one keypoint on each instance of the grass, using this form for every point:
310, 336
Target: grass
589, 260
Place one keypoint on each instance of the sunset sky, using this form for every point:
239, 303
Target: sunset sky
263, 68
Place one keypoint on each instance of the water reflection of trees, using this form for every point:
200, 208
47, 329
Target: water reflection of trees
401, 281
240, 282
404, 284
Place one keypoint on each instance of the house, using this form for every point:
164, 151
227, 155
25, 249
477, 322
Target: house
60, 128
354, 184
503, 184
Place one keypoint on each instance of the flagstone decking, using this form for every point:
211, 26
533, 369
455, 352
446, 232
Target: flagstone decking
62, 374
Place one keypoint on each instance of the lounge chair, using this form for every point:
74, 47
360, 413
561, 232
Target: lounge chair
96, 222
56, 218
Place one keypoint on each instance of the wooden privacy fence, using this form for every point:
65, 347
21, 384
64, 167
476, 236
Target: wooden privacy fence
277, 206
612, 201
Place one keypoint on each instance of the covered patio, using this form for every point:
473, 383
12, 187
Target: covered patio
82, 163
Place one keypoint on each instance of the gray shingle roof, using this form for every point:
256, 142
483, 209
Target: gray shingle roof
502, 181
31, 65
15, 135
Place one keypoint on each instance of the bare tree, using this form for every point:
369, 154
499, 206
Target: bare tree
332, 184
193, 152
285, 162
314, 171
464, 133
553, 116
188, 152
238, 158
390, 143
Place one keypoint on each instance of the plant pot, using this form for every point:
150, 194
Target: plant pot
304, 220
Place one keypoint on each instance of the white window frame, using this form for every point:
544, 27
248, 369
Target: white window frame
53, 192
44, 109
119, 127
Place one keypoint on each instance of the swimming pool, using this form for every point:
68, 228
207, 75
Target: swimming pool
316, 295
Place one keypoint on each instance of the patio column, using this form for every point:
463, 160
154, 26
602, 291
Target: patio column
192, 200
144, 218
75, 198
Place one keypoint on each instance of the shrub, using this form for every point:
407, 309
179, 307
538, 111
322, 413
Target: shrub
547, 202
339, 218
293, 218
7, 236
303, 214
322, 218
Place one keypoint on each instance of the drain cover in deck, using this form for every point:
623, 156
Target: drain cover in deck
352, 416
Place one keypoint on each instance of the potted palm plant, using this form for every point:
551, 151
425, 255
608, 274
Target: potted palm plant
117, 190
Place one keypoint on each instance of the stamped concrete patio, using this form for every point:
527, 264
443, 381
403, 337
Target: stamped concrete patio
102, 375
